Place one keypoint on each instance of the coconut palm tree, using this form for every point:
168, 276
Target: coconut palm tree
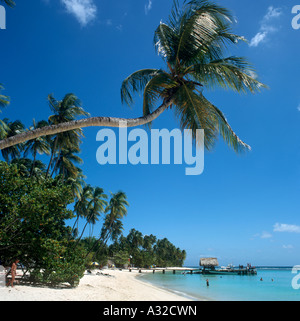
76, 184
39, 145
115, 211
81, 205
149, 241
65, 163
193, 45
12, 129
111, 229
65, 111
95, 206
135, 239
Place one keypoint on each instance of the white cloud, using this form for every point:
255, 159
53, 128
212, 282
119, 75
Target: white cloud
148, 6
298, 107
265, 235
288, 247
84, 10
257, 39
266, 26
278, 227
272, 13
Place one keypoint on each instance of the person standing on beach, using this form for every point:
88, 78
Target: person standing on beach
207, 282
13, 272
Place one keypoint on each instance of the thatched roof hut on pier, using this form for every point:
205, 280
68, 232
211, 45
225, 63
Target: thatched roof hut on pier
209, 263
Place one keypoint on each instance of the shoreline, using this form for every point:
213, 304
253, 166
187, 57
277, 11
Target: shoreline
100, 285
182, 294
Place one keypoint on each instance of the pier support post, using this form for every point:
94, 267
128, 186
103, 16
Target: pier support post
164, 271
153, 271
174, 271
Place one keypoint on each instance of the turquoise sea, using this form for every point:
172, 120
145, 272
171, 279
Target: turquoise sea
231, 287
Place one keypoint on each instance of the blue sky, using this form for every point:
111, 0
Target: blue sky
243, 208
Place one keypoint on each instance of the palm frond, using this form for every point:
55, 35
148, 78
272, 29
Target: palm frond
164, 39
196, 112
193, 115
232, 72
224, 128
4, 100
196, 25
135, 83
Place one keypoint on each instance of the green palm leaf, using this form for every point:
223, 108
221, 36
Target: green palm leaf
136, 82
232, 73
4, 100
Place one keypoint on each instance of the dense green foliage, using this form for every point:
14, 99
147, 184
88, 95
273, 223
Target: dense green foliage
33, 229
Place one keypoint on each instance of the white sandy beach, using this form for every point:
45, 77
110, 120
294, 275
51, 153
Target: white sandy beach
118, 286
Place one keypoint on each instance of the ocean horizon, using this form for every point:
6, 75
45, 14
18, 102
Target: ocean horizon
272, 283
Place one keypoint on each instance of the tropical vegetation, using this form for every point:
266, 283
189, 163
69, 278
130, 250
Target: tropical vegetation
41, 181
40, 175
193, 45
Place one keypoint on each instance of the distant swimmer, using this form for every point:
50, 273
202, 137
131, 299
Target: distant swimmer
261, 279
207, 282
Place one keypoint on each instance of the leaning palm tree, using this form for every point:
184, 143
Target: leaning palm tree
192, 44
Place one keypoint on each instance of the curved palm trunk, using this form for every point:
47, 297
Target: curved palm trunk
87, 122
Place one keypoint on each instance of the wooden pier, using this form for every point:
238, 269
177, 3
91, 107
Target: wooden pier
208, 267
164, 270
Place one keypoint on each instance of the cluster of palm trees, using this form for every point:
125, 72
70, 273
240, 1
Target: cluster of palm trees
92, 203
146, 250
62, 148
